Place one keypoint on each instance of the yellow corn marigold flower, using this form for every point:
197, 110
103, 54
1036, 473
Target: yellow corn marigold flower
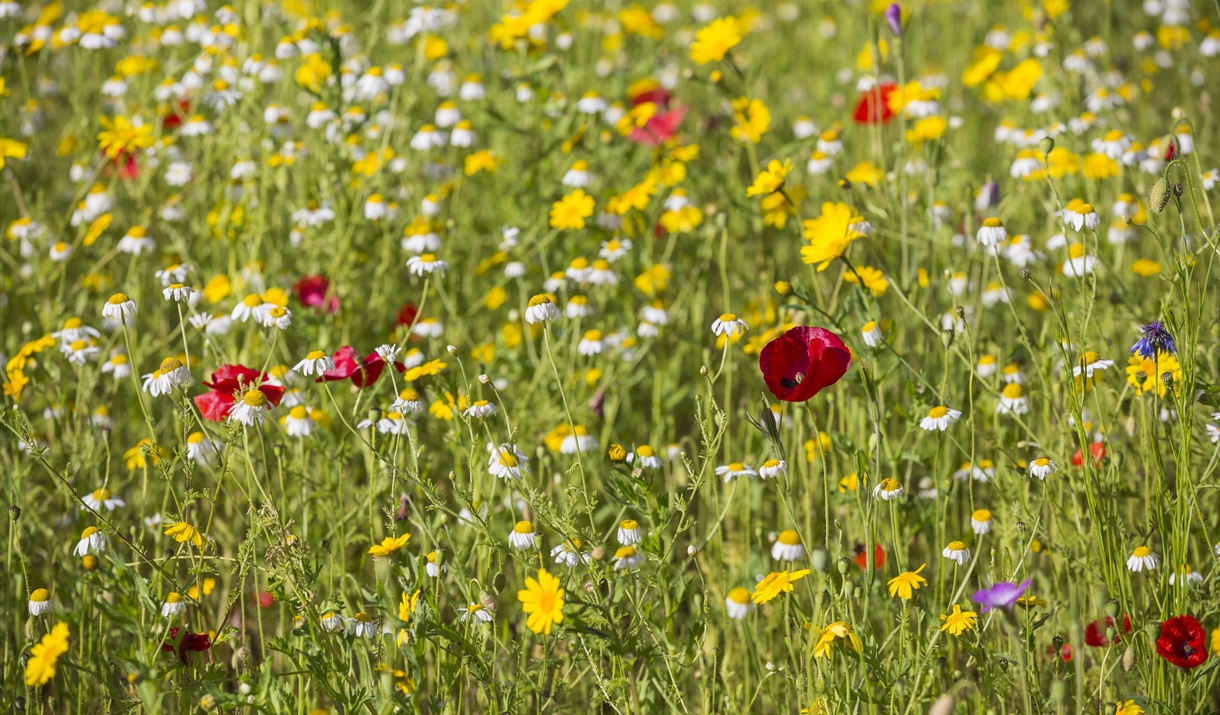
571, 211
183, 532
542, 599
836, 631
771, 179
830, 234
120, 136
775, 583
388, 546
751, 120
905, 584
45, 656
713, 42
959, 621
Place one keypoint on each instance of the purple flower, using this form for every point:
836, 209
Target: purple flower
1154, 338
1001, 595
893, 17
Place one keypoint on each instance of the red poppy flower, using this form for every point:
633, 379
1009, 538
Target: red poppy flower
1183, 642
362, 373
172, 119
861, 557
226, 382
406, 314
658, 129
1066, 652
799, 363
311, 291
189, 643
124, 164
1094, 633
873, 107
1096, 449
1171, 149
265, 599
658, 96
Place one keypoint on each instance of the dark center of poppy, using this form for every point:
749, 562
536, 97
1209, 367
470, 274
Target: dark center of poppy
790, 383
1187, 650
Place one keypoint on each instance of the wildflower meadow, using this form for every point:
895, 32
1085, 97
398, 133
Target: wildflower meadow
610, 356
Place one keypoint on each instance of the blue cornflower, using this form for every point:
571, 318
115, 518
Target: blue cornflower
1154, 338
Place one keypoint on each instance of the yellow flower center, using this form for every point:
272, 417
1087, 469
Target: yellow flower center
173, 597
981, 515
1013, 391
78, 345
116, 299
523, 527
89, 531
727, 317
170, 364
956, 546
1141, 551
788, 537
992, 222
40, 595
938, 412
254, 398
298, 413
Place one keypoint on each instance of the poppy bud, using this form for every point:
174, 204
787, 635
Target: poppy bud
374, 415
1128, 659
1154, 631
844, 564
1167, 378
499, 581
1004, 664
1057, 642
1158, 196
1047, 145
439, 557
279, 449
1177, 188
849, 587
14, 513
1112, 608
488, 601
946, 338
617, 453
821, 559
1020, 526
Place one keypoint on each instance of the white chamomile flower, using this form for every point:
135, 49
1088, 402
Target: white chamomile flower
315, 362
729, 324
939, 418
1143, 559
787, 546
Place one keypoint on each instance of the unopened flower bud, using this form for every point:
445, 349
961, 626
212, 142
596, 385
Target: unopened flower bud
849, 588
1128, 659
14, 513
844, 564
499, 581
598, 553
1047, 145
1158, 196
374, 415
452, 350
1024, 273
946, 338
784, 288
691, 550
618, 454
821, 559
488, 601
1112, 608
704, 371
